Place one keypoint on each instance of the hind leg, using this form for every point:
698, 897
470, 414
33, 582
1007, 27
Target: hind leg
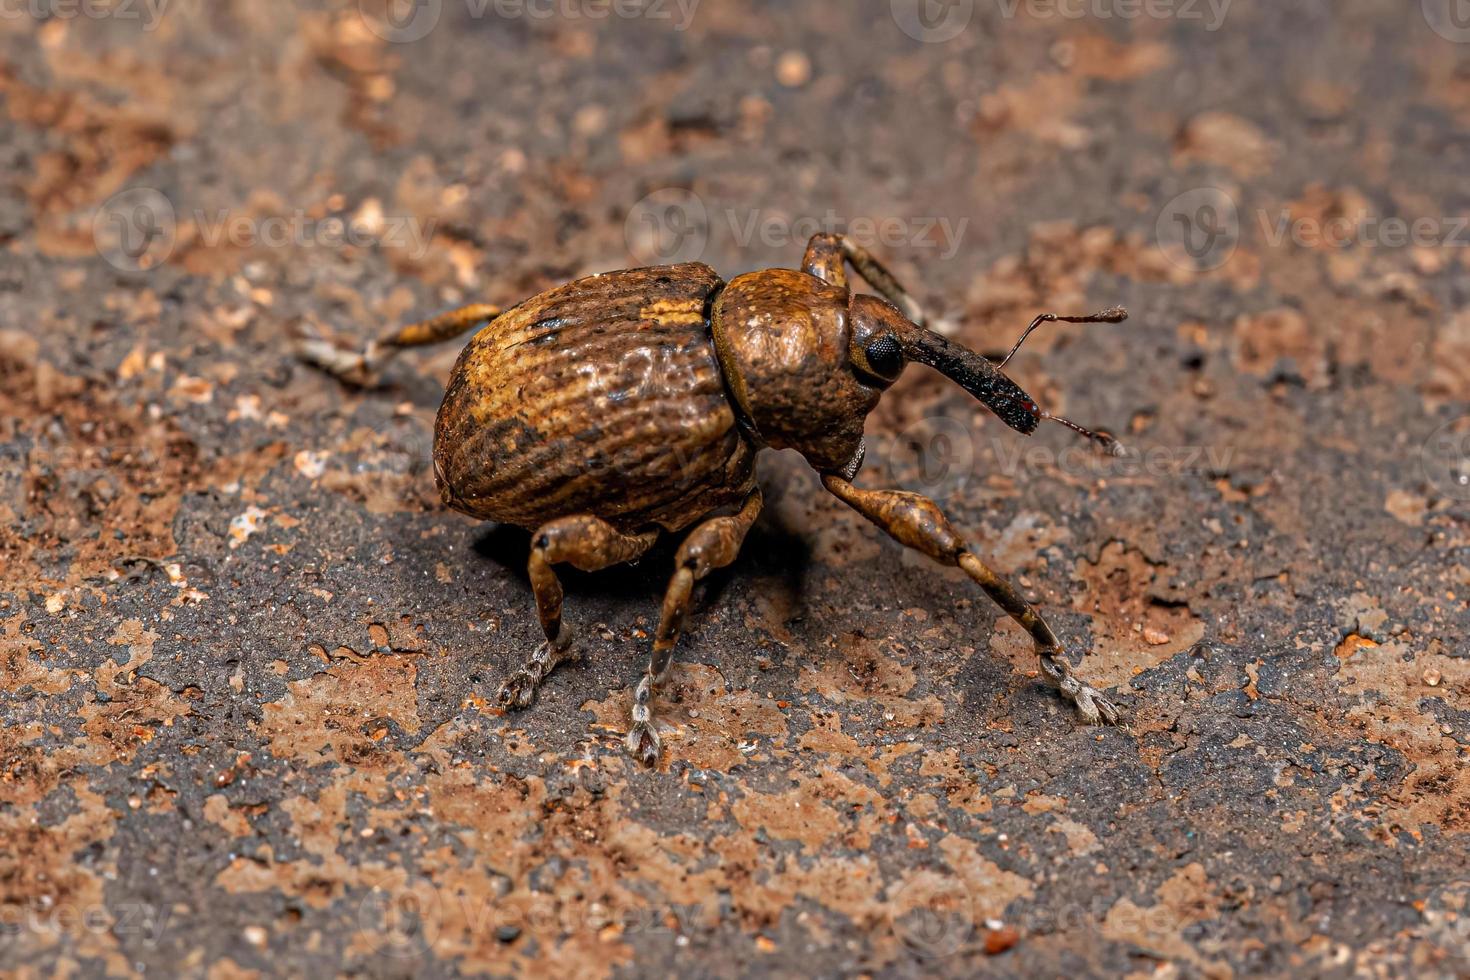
361, 367
584, 542
713, 544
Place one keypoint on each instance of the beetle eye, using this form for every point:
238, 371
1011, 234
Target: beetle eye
884, 356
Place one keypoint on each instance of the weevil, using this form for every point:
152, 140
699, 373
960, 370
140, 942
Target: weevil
617, 408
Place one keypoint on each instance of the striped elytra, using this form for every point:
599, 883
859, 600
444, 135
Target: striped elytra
604, 397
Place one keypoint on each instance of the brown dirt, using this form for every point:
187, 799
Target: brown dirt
248, 661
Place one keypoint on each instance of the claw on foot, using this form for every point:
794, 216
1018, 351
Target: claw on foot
643, 744
1090, 703
518, 691
1094, 708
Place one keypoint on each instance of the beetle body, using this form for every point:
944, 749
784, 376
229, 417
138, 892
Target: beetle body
601, 397
606, 412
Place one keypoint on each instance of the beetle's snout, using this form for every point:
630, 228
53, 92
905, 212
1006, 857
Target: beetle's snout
978, 376
876, 324
981, 378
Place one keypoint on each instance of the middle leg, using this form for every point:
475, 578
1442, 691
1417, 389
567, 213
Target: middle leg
713, 544
584, 542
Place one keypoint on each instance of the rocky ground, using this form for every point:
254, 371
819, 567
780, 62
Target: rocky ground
248, 659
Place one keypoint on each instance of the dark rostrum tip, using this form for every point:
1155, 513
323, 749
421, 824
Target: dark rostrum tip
974, 373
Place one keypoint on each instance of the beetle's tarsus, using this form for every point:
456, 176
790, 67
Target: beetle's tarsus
917, 522
360, 367
643, 744
357, 368
1091, 704
713, 544
519, 689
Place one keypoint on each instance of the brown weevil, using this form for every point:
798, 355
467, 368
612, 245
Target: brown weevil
607, 411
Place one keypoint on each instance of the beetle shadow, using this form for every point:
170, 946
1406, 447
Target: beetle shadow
772, 553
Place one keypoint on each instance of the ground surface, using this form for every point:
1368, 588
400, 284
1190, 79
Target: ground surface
247, 659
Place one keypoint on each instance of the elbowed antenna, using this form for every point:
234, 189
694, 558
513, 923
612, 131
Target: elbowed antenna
1113, 314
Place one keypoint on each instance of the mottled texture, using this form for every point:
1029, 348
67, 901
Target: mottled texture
248, 659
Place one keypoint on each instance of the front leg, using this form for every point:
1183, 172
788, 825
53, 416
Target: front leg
917, 522
713, 544
827, 257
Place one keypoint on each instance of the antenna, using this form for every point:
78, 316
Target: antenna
1102, 438
1114, 314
